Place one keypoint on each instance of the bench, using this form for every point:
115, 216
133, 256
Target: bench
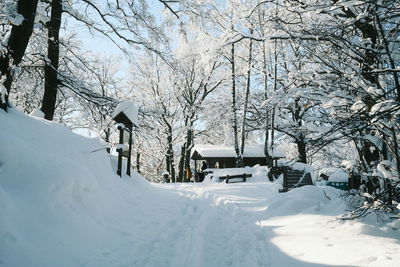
238, 178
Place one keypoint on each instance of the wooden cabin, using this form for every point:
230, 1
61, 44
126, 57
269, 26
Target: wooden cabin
218, 156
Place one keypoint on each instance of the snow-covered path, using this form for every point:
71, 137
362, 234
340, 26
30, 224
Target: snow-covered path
214, 229
250, 225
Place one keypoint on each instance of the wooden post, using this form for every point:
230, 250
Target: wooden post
119, 150
138, 161
128, 165
196, 173
125, 114
390, 191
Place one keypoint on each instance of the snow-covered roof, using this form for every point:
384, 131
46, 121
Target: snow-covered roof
130, 110
221, 151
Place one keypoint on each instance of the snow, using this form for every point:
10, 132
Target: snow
3, 90
216, 151
385, 106
130, 110
335, 174
122, 147
38, 113
62, 204
17, 20
386, 169
359, 105
377, 141
259, 174
349, 165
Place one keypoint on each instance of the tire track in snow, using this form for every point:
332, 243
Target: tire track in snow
248, 239
196, 238
216, 231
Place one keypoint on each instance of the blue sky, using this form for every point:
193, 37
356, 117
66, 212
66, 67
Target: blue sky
97, 43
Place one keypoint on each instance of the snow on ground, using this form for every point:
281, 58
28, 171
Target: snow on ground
253, 225
62, 205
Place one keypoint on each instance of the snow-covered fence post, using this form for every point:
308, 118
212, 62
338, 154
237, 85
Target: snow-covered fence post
126, 115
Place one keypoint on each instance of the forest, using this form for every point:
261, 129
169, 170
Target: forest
316, 78
265, 133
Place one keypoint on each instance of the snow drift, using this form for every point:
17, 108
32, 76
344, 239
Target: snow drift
60, 201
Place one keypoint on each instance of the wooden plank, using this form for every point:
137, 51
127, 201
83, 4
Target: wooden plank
236, 178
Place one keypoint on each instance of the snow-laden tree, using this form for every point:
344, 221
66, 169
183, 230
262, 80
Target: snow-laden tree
21, 15
101, 76
196, 79
224, 23
155, 90
128, 25
356, 64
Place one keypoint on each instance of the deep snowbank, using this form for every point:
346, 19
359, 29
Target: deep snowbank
60, 202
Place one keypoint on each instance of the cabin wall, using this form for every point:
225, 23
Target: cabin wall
222, 163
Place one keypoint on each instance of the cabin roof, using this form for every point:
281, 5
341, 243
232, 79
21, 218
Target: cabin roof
220, 151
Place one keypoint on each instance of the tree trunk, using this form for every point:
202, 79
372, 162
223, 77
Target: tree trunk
275, 88
170, 154
189, 142
181, 164
246, 101
368, 31
107, 135
239, 159
301, 148
138, 161
272, 130
396, 150
51, 68
389, 55
266, 142
17, 44
184, 161
267, 124
364, 164
300, 139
